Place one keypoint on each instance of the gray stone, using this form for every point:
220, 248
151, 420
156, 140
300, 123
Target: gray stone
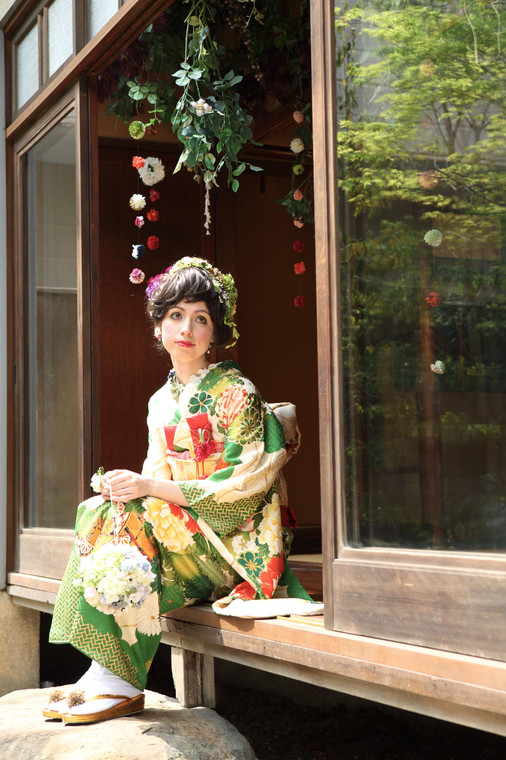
19, 646
163, 731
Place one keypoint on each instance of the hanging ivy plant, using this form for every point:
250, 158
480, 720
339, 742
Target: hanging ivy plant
211, 93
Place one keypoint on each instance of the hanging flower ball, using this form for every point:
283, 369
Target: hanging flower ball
298, 169
138, 251
138, 162
137, 202
299, 301
152, 172
298, 116
298, 246
139, 221
299, 267
153, 242
297, 145
433, 299
153, 215
154, 196
428, 179
298, 195
298, 223
438, 367
137, 130
136, 276
433, 237
427, 67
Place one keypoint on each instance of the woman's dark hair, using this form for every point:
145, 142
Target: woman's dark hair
189, 284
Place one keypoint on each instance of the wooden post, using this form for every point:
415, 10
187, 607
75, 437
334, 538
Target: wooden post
193, 675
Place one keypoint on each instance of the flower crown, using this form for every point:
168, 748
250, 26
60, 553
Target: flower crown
224, 286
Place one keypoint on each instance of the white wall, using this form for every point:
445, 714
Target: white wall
3, 328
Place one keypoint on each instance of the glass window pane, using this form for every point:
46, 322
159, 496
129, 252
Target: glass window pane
52, 334
99, 12
421, 146
27, 66
61, 33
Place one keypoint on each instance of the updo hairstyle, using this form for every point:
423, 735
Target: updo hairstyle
189, 284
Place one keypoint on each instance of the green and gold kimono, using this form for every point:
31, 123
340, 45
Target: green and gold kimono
225, 446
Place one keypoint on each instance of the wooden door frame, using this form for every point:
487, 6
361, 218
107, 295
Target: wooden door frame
452, 601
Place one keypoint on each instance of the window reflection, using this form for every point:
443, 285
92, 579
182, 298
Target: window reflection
52, 334
421, 148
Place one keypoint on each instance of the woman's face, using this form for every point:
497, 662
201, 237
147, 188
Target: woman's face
187, 331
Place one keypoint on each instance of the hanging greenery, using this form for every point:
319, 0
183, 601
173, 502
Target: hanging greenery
209, 68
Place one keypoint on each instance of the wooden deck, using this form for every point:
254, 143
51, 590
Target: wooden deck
458, 688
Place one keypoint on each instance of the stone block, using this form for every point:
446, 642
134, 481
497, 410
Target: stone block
164, 730
19, 646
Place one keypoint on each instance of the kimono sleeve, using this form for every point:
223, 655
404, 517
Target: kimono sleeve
156, 464
253, 454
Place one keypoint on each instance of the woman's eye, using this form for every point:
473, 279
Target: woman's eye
203, 320
175, 315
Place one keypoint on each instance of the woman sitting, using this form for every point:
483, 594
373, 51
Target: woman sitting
206, 516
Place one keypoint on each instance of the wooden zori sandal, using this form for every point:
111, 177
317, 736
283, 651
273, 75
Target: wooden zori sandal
56, 695
128, 706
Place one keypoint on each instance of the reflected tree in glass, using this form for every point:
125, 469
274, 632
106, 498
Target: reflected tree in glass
422, 155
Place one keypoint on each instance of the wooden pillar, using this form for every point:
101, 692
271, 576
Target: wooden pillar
193, 675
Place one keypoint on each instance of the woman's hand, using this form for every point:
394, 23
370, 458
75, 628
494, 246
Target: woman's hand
123, 485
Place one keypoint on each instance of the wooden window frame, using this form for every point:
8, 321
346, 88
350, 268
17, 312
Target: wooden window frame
72, 86
450, 601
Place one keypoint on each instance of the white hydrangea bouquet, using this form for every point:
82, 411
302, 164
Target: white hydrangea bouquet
115, 578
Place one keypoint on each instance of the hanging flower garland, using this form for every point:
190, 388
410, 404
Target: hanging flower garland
150, 171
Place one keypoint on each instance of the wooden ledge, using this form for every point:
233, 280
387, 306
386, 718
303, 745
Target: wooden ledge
459, 688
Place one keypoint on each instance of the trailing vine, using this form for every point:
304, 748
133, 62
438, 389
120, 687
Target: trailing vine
212, 92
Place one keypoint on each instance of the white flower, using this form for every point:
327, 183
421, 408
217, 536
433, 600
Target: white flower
438, 367
297, 145
148, 617
137, 202
115, 578
96, 481
270, 529
201, 107
433, 237
152, 172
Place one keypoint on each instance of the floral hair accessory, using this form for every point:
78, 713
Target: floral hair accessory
138, 251
138, 162
298, 246
137, 202
153, 242
433, 237
137, 130
224, 286
139, 221
153, 215
433, 299
154, 195
137, 276
299, 301
152, 171
299, 267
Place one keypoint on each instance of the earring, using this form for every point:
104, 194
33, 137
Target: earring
210, 347
158, 333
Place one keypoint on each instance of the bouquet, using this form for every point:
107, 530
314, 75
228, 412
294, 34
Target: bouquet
115, 578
